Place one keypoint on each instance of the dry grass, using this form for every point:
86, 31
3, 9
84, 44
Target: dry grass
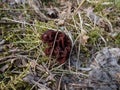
23, 63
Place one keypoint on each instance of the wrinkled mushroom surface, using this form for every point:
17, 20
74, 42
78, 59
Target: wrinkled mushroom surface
59, 42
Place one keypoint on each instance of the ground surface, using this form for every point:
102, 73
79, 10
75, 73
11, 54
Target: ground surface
93, 27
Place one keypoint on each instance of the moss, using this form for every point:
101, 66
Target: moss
98, 7
93, 36
1, 76
13, 81
117, 40
28, 38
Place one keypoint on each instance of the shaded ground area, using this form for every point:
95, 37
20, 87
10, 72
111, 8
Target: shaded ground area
91, 61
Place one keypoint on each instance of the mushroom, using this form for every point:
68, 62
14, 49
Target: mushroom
62, 45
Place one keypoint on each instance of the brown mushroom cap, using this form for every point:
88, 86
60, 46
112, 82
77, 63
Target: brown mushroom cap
62, 45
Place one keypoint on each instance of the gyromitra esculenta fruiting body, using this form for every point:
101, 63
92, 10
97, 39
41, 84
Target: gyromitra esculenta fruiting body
59, 45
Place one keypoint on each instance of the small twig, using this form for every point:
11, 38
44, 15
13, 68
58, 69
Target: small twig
41, 86
2, 42
6, 59
60, 82
53, 48
79, 6
2, 22
72, 72
15, 21
80, 85
26, 23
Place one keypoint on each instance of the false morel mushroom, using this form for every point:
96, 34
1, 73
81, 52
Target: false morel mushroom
59, 45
